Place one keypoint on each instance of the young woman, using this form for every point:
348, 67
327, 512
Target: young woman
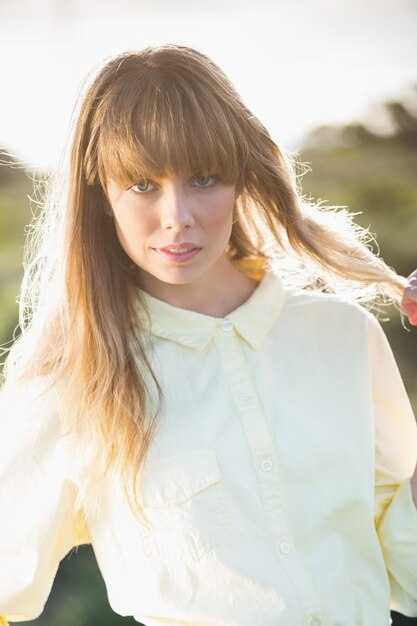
197, 391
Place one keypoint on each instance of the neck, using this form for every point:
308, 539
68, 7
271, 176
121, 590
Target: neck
216, 295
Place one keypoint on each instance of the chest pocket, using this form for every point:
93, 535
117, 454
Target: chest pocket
185, 502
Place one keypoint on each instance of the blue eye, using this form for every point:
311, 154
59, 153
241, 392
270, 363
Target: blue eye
204, 181
142, 186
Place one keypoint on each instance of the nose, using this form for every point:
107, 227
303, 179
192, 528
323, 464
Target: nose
176, 207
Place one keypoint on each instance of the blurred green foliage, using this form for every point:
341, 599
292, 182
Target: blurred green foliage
376, 177
351, 166
14, 215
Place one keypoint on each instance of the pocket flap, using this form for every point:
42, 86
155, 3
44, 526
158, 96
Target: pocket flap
179, 478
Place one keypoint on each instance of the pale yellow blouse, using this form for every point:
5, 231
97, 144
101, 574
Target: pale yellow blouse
277, 483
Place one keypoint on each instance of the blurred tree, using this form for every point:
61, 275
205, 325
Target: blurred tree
404, 120
375, 176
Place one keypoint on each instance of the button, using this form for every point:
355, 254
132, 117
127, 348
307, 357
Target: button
244, 395
227, 326
266, 465
315, 622
285, 547
170, 491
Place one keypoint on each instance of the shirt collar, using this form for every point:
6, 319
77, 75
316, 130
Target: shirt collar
253, 320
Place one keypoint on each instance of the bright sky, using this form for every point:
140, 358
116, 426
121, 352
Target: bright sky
297, 63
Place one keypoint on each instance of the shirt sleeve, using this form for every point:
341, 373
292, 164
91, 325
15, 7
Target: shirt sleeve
38, 520
395, 459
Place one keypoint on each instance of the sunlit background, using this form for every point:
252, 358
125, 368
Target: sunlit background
332, 80
297, 63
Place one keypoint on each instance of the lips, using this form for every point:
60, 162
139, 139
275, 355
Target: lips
179, 253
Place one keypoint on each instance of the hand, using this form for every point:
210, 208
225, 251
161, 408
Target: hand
409, 299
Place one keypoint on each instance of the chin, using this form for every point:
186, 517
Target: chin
180, 280
178, 276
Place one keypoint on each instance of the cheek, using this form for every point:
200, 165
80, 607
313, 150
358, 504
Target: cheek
131, 233
124, 240
220, 214
130, 226
120, 232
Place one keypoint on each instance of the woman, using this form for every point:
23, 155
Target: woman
196, 392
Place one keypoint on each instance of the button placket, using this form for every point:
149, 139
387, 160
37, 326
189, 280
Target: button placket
255, 427
266, 465
244, 395
261, 447
285, 547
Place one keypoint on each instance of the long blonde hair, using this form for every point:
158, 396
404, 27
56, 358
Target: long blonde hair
159, 112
